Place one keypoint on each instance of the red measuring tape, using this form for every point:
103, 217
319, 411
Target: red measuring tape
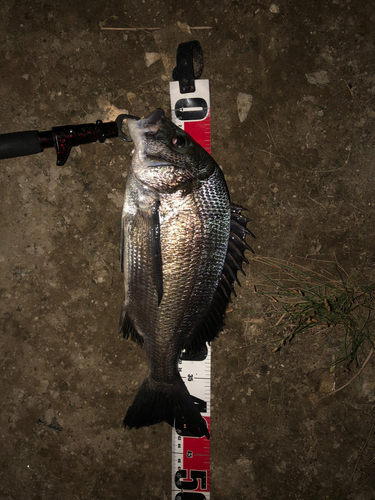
190, 106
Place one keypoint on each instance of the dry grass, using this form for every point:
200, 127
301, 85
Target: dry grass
302, 300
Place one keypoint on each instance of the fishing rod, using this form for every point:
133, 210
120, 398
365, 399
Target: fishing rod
63, 138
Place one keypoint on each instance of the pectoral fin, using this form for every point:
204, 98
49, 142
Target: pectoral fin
156, 251
122, 245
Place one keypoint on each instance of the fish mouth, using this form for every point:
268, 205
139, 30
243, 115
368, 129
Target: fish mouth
153, 119
149, 125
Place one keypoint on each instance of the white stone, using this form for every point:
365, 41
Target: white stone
151, 58
244, 102
275, 9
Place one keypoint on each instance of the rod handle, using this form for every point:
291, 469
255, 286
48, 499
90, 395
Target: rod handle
19, 144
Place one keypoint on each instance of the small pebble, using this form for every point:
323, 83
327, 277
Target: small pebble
275, 9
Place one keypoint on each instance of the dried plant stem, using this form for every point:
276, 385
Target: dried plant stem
363, 449
154, 29
353, 378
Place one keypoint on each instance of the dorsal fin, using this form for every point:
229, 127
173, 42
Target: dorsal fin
213, 322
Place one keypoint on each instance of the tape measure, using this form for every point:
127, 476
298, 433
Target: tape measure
190, 107
191, 455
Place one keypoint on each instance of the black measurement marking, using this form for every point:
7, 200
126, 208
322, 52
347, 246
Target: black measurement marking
192, 483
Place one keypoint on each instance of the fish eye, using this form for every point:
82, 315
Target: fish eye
179, 141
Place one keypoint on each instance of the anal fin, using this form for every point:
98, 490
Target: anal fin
127, 328
122, 245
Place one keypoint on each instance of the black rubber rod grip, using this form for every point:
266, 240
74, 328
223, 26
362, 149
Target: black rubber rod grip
19, 144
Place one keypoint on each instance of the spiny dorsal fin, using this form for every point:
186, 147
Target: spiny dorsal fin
213, 322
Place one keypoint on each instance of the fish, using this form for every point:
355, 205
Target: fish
182, 244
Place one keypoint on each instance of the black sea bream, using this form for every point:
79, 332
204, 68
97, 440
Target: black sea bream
182, 244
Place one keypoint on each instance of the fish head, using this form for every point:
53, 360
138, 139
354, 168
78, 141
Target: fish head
166, 158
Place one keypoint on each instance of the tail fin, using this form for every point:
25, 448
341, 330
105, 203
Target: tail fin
171, 403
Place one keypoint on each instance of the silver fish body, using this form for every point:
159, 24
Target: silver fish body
177, 227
